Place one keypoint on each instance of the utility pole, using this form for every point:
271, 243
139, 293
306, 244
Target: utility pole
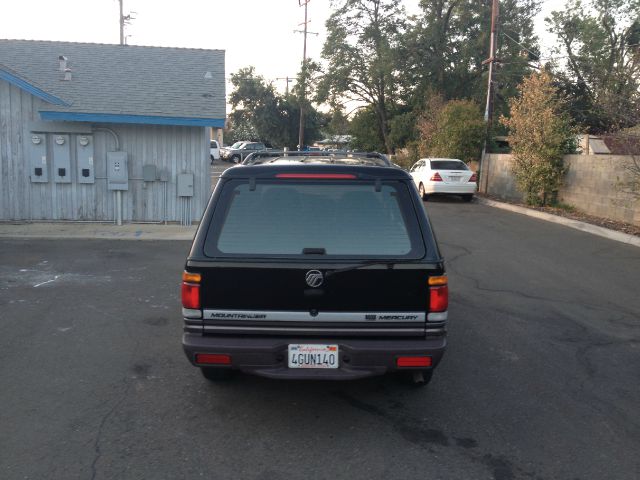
488, 112
304, 77
288, 80
124, 20
121, 23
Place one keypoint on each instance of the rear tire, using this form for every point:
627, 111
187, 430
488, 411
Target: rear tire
468, 197
216, 374
423, 193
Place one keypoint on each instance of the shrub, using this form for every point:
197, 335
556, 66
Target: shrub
540, 133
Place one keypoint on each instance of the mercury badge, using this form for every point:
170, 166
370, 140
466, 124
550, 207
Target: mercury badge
314, 278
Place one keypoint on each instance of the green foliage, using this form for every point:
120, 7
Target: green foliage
444, 47
599, 61
541, 133
361, 52
363, 127
260, 113
454, 129
403, 129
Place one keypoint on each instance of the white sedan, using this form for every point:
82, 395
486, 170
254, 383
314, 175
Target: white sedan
444, 175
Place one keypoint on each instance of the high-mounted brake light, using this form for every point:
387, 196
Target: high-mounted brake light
438, 294
436, 177
331, 176
190, 290
474, 178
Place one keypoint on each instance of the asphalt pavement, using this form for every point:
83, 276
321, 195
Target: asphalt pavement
540, 380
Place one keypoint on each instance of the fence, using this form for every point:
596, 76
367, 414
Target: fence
591, 185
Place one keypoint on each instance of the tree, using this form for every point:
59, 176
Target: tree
540, 133
363, 128
454, 129
362, 38
444, 49
599, 63
260, 113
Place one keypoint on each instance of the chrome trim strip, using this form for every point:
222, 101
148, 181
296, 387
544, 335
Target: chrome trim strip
404, 331
190, 313
437, 317
305, 316
193, 321
435, 331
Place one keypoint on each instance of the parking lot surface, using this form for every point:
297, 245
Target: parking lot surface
540, 380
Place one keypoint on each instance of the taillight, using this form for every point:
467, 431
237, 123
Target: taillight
191, 290
415, 361
474, 178
438, 294
436, 177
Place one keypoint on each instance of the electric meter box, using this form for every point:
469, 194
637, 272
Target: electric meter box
61, 158
117, 171
38, 158
84, 149
185, 184
149, 173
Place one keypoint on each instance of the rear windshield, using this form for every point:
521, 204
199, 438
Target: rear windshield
346, 219
448, 165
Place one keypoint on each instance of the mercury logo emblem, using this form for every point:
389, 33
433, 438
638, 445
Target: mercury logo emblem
314, 278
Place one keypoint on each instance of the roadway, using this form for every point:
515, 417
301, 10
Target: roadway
540, 380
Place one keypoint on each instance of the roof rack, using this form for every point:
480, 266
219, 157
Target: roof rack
317, 157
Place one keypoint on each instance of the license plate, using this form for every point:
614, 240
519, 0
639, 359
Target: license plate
454, 179
313, 356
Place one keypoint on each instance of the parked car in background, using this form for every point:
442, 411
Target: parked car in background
214, 150
239, 150
444, 176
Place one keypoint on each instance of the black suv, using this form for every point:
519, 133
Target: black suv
315, 267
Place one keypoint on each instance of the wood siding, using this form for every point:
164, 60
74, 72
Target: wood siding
172, 149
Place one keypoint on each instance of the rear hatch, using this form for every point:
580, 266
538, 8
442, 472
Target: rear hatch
315, 256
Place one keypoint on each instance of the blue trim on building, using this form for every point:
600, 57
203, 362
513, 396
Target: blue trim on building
32, 89
137, 119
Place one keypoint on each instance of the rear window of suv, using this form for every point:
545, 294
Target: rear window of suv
346, 219
448, 165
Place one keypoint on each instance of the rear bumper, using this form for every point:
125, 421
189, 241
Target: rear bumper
267, 356
450, 188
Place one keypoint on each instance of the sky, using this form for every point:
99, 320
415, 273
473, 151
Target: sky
253, 32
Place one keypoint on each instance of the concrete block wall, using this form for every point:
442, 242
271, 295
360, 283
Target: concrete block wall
496, 177
590, 185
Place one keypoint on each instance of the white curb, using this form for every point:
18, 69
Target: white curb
568, 222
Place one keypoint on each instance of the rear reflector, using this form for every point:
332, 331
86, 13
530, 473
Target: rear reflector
332, 176
439, 298
414, 362
436, 177
212, 359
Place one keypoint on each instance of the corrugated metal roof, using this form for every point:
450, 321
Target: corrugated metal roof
122, 80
